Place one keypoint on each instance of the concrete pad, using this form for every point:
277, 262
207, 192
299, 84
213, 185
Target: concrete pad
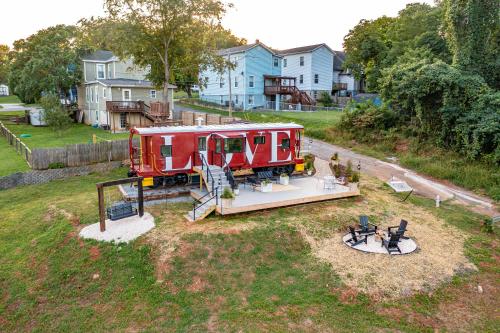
372, 246
124, 230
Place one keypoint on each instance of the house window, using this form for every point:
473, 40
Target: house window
285, 143
276, 62
250, 99
109, 72
221, 82
233, 145
301, 79
202, 143
259, 140
97, 94
221, 99
101, 74
251, 81
123, 120
166, 150
236, 99
87, 94
316, 78
97, 116
301, 61
91, 94
315, 94
236, 82
104, 93
152, 93
284, 62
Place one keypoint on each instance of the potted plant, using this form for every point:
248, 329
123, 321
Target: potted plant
284, 179
227, 197
266, 186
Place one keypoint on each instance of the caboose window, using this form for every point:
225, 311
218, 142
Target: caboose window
233, 145
285, 143
259, 140
202, 143
166, 150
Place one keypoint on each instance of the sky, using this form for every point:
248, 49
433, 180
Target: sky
280, 24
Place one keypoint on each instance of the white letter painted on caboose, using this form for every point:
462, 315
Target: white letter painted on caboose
167, 139
275, 145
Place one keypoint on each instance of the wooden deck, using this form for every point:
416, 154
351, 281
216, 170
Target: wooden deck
299, 191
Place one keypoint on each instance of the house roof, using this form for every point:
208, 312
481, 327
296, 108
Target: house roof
338, 60
130, 83
99, 55
243, 48
303, 49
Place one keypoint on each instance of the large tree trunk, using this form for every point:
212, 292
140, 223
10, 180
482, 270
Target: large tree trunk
165, 84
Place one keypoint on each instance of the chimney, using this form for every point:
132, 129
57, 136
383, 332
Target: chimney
257, 41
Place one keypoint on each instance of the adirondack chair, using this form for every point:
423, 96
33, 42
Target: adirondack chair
356, 239
401, 229
364, 225
391, 245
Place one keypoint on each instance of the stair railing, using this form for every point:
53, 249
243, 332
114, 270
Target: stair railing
210, 195
204, 165
229, 172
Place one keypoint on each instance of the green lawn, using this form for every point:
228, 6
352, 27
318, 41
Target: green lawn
442, 164
44, 137
9, 99
257, 279
10, 160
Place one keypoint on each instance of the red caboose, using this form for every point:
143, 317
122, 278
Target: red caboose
168, 154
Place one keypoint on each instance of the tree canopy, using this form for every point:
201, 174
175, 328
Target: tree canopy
174, 38
4, 63
46, 62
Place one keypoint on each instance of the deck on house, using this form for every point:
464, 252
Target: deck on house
299, 191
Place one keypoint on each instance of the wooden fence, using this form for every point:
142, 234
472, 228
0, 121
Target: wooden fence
70, 155
80, 154
14, 141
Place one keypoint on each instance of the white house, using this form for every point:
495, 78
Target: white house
344, 82
4, 90
311, 66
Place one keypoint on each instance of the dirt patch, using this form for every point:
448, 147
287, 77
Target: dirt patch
439, 257
94, 253
198, 284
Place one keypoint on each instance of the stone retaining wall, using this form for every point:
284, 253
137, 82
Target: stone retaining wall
45, 176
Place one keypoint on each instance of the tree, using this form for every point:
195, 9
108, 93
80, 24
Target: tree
168, 36
4, 63
46, 62
472, 32
54, 114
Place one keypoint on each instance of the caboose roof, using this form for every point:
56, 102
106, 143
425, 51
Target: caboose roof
217, 128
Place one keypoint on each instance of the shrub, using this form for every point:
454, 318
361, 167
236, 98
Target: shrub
355, 177
325, 99
54, 115
227, 193
348, 170
367, 117
56, 165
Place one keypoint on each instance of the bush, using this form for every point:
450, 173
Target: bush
227, 193
348, 170
56, 165
325, 99
355, 177
367, 117
54, 115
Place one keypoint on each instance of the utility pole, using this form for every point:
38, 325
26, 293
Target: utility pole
230, 92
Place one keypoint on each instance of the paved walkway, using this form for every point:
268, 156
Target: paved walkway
422, 185
382, 170
13, 107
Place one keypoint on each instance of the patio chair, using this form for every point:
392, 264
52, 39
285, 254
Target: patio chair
401, 229
356, 239
391, 245
364, 224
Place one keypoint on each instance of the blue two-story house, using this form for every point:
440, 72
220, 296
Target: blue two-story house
250, 64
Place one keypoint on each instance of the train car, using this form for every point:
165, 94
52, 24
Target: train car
167, 155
